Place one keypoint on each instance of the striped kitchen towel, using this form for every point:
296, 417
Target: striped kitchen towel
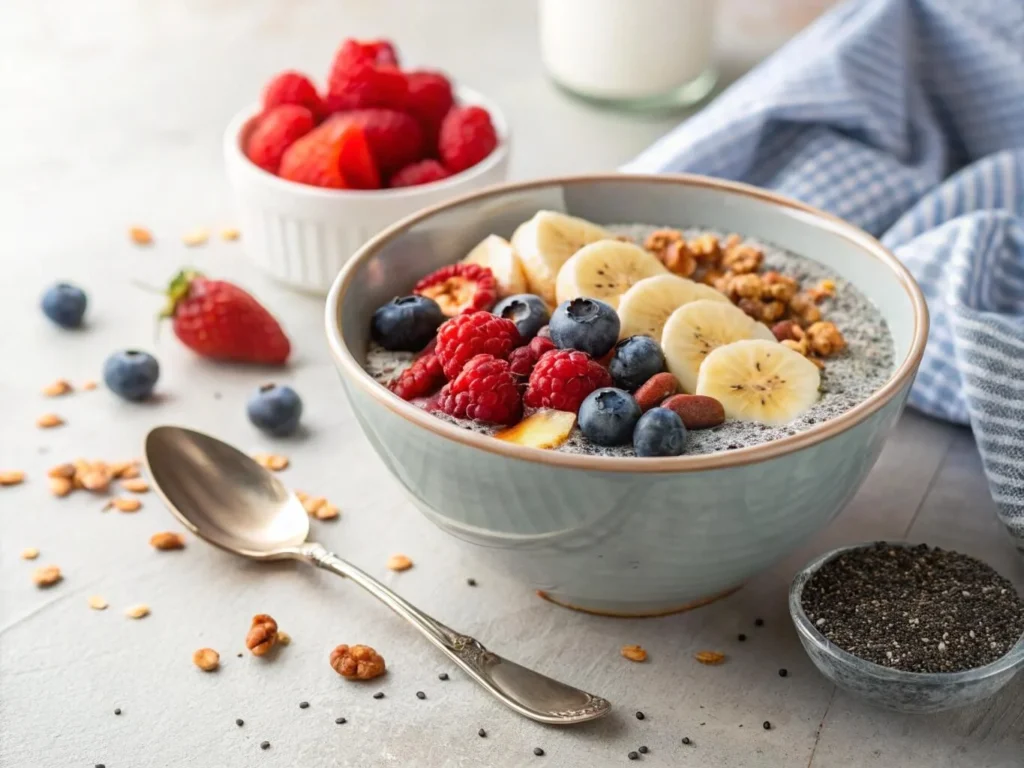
905, 117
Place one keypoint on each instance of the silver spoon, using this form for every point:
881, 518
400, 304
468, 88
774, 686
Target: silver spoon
226, 498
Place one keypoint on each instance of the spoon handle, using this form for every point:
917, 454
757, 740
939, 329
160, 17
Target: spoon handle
527, 692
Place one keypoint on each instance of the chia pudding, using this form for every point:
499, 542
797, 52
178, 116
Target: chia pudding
847, 377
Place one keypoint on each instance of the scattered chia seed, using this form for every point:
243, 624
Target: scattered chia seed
100, 765
538, 752
766, 725
686, 741
264, 745
421, 695
633, 756
239, 722
639, 715
443, 676
239, 655
741, 637
340, 720
379, 695
117, 711
471, 582
482, 733
758, 622
783, 672
917, 609
643, 750
303, 705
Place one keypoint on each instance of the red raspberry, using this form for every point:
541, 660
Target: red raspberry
429, 99
371, 51
314, 159
477, 333
420, 379
467, 137
361, 83
396, 139
423, 172
563, 378
277, 130
293, 88
523, 359
460, 288
485, 391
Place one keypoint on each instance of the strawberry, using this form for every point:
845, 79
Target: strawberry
277, 130
395, 138
218, 320
293, 88
315, 159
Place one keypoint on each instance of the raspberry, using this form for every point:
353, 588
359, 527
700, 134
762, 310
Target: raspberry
277, 130
423, 172
293, 88
467, 137
372, 51
356, 82
395, 138
477, 333
485, 391
563, 378
429, 99
420, 379
460, 288
314, 159
523, 359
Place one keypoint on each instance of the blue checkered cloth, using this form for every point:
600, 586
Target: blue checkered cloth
905, 117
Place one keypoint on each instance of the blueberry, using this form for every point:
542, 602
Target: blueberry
634, 361
588, 325
131, 374
407, 323
64, 304
527, 311
660, 432
608, 416
275, 410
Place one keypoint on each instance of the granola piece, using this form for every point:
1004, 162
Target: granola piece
29, 553
272, 461
139, 611
825, 339
97, 603
11, 477
826, 289
804, 310
705, 249
60, 486
709, 657
46, 576
89, 384
753, 307
742, 259
772, 311
126, 504
660, 239
399, 563
678, 260
66, 471
135, 485
731, 241
230, 233
49, 421
633, 652
715, 278
788, 330
745, 286
327, 512
140, 236
262, 634
796, 345
357, 662
206, 659
167, 540
778, 287
57, 388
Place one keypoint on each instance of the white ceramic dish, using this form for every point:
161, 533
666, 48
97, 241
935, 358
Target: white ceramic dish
304, 235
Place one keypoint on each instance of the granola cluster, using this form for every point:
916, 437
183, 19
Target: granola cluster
94, 476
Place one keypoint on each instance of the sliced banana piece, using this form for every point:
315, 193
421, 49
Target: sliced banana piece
761, 381
645, 307
605, 270
498, 255
545, 243
695, 329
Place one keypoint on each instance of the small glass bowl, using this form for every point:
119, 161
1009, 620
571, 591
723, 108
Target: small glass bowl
910, 692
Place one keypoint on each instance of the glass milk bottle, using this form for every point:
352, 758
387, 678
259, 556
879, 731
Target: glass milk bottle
634, 54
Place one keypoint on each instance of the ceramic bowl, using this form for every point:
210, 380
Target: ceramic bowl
624, 536
911, 692
302, 235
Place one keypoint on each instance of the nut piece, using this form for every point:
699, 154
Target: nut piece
60, 486
656, 389
283, 638
312, 503
696, 411
671, 249
358, 662
804, 310
741, 259
126, 504
778, 287
11, 477
399, 563
262, 634
271, 461
93, 477
66, 471
89, 384
167, 540
826, 289
46, 576
327, 512
140, 236
634, 652
709, 657
705, 249
206, 659
97, 603
57, 388
125, 470
29, 553
230, 233
137, 611
135, 485
825, 339
49, 420
196, 237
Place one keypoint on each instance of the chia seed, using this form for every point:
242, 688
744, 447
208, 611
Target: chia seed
538, 752
471, 582
443, 676
633, 755
303, 705
239, 722
766, 725
421, 695
643, 750
379, 695
264, 745
686, 739
783, 672
340, 720
917, 609
640, 715
482, 733
117, 711
758, 622
742, 638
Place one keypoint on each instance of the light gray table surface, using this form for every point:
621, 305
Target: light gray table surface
112, 117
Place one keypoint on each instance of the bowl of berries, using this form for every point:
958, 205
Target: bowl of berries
317, 172
634, 393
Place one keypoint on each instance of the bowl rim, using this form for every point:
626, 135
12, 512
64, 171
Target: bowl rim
900, 378
241, 123
806, 629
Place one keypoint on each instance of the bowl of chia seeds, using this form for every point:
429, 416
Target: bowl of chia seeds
909, 628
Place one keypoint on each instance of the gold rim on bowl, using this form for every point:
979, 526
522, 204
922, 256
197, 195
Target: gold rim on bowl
358, 377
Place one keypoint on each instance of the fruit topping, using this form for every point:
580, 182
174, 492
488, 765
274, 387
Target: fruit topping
466, 137
546, 242
498, 255
421, 379
562, 379
314, 159
65, 305
429, 99
476, 333
645, 307
696, 411
407, 324
527, 311
356, 82
659, 432
459, 288
275, 132
522, 359
275, 410
608, 416
292, 88
421, 172
131, 374
543, 429
379, 52
485, 390
605, 270
634, 361
588, 325
395, 138
656, 389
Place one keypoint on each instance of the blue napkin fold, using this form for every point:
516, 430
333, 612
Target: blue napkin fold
906, 118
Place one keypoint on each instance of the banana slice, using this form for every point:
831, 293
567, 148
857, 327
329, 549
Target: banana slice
545, 243
697, 328
498, 255
605, 270
761, 381
645, 307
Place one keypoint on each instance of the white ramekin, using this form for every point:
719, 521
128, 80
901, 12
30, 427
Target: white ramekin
303, 235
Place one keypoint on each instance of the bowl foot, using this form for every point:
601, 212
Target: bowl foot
620, 610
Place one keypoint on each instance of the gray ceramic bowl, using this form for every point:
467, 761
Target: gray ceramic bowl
627, 536
911, 692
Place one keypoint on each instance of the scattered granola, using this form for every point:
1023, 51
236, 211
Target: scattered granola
57, 388
125, 504
46, 576
271, 461
709, 657
262, 634
399, 563
230, 233
206, 659
825, 339
97, 603
89, 384
135, 485
66, 471
140, 236
634, 652
283, 638
196, 237
357, 662
49, 420
317, 506
11, 477
137, 611
60, 486
167, 540
29, 553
